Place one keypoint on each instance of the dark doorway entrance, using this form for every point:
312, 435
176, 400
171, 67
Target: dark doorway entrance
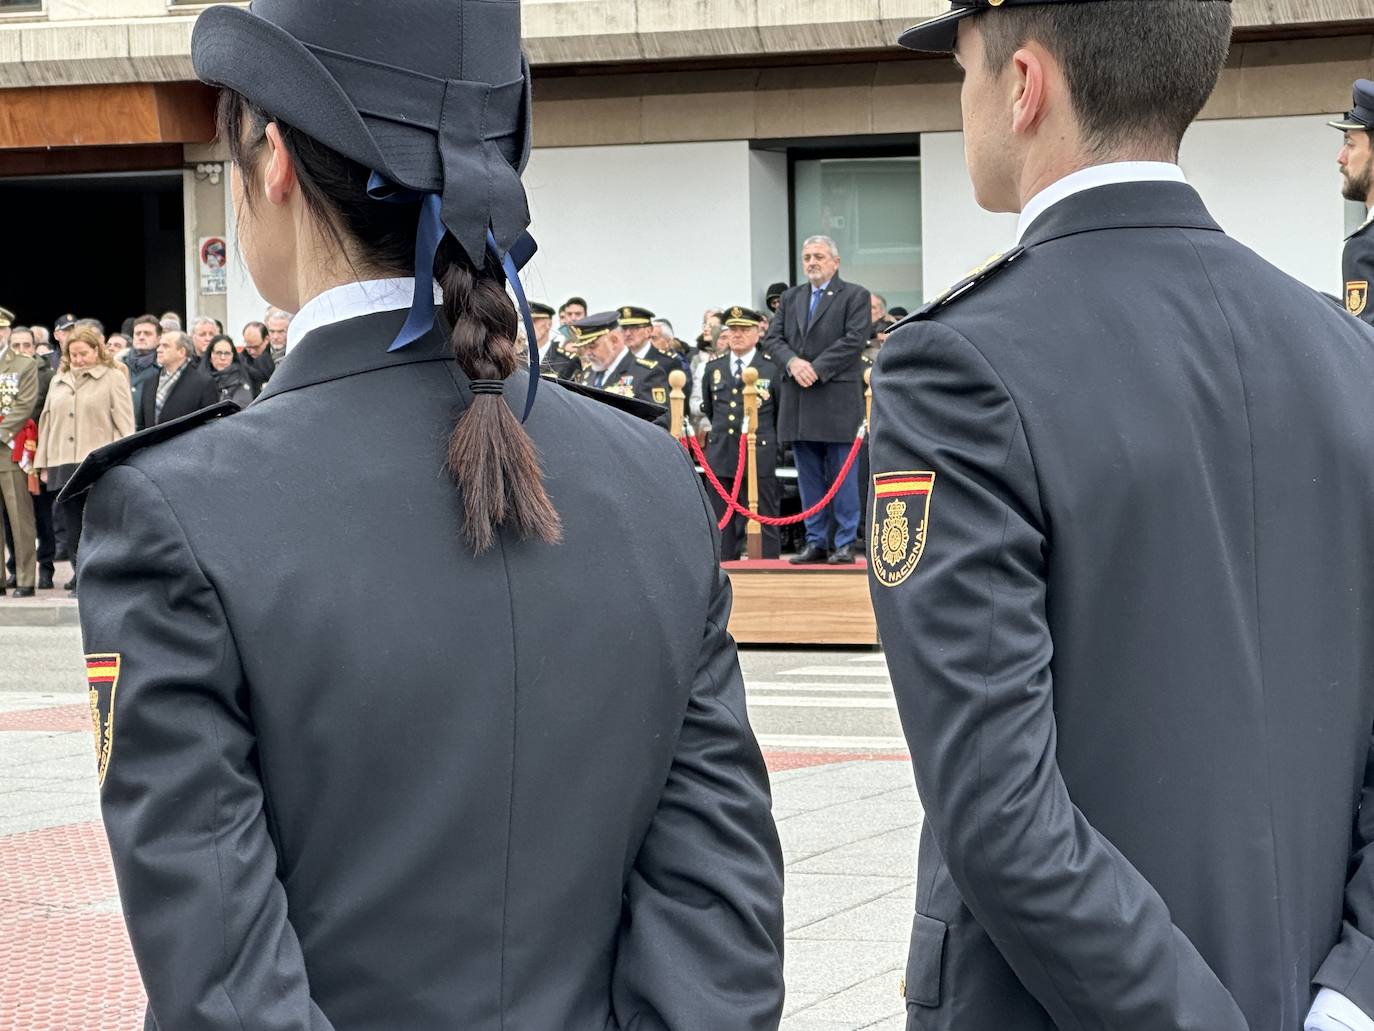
107, 246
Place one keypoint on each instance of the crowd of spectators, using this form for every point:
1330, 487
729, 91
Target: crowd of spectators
77, 388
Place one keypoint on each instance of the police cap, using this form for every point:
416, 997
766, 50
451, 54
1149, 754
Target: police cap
593, 328
6, 318
633, 316
1361, 113
938, 35
540, 310
739, 316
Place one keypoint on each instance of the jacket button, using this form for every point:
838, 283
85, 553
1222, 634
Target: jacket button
732, 404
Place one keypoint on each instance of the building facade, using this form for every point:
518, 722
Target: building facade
682, 152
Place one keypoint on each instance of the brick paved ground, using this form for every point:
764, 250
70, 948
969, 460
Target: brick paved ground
848, 817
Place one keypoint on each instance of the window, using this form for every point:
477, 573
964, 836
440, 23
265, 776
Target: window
871, 208
20, 6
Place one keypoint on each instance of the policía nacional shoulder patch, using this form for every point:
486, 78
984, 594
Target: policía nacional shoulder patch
102, 677
1356, 296
901, 515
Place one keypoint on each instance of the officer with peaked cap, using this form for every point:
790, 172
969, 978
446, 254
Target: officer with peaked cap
609, 365
722, 402
550, 355
348, 786
18, 392
1121, 502
1356, 162
641, 340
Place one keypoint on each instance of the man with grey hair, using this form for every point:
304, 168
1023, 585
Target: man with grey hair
817, 338
181, 387
278, 322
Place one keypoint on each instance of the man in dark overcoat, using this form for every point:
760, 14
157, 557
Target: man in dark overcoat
816, 338
1122, 509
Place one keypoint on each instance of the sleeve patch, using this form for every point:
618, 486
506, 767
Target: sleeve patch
901, 517
102, 677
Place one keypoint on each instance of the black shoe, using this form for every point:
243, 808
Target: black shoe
22, 592
70, 585
843, 555
45, 581
810, 554
11, 582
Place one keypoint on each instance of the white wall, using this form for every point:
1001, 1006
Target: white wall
956, 234
769, 224
1270, 182
245, 303
666, 226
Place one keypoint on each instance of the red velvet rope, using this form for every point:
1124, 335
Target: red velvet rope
733, 507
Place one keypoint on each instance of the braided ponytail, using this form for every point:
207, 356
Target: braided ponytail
490, 456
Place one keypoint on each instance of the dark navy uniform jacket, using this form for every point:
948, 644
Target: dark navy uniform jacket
350, 784
722, 402
642, 378
1357, 269
1123, 514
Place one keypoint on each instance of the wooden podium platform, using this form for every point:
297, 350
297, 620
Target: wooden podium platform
779, 603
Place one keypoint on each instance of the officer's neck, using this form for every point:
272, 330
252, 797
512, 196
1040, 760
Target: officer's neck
1045, 166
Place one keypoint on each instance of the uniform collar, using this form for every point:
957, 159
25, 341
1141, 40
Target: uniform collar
1129, 205
1110, 174
353, 300
358, 345
747, 358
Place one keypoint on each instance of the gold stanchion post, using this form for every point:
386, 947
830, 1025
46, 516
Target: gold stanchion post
753, 534
868, 397
677, 379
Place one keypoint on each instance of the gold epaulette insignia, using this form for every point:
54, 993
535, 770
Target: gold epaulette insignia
646, 363
975, 277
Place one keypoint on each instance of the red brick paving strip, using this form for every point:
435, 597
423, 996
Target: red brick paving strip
65, 968
779, 761
58, 717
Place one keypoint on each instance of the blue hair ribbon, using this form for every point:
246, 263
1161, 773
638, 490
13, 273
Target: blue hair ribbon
429, 234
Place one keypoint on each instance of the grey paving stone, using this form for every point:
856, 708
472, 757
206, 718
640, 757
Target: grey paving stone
873, 999
811, 897
885, 919
886, 854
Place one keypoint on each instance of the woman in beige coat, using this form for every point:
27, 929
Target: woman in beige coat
89, 405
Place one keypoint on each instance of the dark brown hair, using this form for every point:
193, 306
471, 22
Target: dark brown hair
1137, 71
490, 456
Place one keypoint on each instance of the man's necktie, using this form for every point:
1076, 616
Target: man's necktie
600, 379
815, 300
739, 369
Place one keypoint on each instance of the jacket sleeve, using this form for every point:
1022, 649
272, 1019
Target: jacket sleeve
181, 798
1358, 266
775, 340
122, 409
1349, 966
22, 411
708, 393
843, 355
701, 939
969, 646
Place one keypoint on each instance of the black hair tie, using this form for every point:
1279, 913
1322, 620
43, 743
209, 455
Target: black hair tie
488, 386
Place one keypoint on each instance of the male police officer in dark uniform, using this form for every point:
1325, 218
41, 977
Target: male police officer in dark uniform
552, 357
1122, 505
609, 365
350, 786
1356, 162
722, 402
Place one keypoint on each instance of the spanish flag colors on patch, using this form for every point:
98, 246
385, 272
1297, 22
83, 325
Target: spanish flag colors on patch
102, 677
901, 513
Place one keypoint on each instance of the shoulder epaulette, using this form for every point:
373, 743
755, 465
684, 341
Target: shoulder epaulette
646, 363
975, 278
102, 460
645, 410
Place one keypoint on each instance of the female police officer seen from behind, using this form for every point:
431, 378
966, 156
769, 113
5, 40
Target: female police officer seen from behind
348, 785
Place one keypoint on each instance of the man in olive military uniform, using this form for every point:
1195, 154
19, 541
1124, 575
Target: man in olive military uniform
722, 402
609, 365
552, 357
1356, 162
18, 393
1121, 518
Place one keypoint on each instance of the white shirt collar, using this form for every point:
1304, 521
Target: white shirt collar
747, 358
1092, 177
645, 349
354, 300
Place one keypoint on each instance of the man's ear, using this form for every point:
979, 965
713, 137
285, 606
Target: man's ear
1028, 83
279, 173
